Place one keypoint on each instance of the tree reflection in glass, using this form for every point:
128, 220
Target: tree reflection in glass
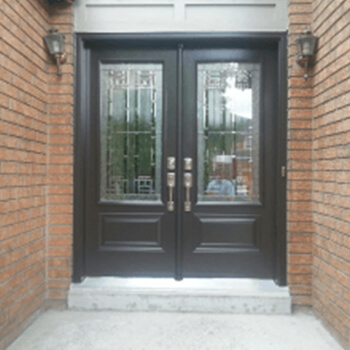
228, 131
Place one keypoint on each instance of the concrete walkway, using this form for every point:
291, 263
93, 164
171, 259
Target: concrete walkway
102, 330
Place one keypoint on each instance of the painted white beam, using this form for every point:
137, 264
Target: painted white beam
139, 16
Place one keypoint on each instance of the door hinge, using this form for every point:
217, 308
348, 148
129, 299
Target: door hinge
283, 171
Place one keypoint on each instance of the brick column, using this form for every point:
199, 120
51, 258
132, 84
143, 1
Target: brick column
36, 147
60, 165
299, 188
23, 148
331, 176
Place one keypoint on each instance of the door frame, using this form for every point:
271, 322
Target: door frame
83, 45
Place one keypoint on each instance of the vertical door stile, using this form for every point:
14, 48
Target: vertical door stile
179, 163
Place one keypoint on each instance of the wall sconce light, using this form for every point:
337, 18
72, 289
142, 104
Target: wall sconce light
306, 50
243, 80
55, 44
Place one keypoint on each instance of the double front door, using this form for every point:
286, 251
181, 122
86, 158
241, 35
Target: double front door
181, 162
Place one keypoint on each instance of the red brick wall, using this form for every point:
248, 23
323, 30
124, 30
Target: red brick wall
299, 185
331, 176
60, 167
33, 193
319, 178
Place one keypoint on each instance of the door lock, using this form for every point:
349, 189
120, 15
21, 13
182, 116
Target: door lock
171, 163
188, 164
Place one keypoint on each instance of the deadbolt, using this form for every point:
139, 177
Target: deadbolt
188, 164
171, 163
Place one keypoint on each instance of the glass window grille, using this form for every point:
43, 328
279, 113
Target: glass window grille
131, 131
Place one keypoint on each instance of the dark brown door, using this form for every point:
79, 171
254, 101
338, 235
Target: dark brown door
130, 232
192, 126
229, 117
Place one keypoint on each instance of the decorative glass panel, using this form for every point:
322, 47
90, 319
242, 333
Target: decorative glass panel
131, 131
228, 131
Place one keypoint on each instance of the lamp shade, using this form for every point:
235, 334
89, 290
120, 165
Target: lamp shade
306, 43
243, 80
55, 42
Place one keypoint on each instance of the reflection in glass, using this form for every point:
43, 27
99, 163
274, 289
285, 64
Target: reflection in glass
228, 131
131, 131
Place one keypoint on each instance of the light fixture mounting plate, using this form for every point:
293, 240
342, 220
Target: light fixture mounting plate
52, 2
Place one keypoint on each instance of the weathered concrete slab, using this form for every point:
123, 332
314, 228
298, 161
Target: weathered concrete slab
239, 296
101, 330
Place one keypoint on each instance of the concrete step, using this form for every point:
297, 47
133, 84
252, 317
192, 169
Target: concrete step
237, 296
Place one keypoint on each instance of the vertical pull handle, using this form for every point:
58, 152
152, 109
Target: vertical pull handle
171, 185
188, 185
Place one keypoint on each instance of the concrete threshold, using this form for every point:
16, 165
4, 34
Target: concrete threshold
236, 296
